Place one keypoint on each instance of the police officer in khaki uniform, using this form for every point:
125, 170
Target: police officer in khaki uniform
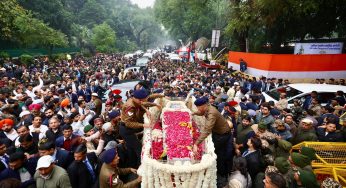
216, 125
133, 122
110, 172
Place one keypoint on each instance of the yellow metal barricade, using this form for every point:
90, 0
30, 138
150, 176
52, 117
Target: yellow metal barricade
331, 159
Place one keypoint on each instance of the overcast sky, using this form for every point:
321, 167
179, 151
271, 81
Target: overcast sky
143, 3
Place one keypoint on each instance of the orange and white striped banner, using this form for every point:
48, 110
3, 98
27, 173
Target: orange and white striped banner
290, 65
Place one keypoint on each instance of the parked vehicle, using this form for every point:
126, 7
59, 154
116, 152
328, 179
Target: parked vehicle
168, 48
301, 91
139, 52
174, 57
128, 56
148, 55
142, 62
123, 86
133, 69
184, 53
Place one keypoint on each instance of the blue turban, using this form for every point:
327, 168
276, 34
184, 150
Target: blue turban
113, 114
109, 155
140, 94
201, 101
158, 91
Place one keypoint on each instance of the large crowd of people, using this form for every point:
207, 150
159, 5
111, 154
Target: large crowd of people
58, 130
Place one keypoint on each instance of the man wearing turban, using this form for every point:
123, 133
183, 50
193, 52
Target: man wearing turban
35, 109
109, 174
7, 129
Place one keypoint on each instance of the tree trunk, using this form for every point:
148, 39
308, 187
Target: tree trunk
138, 37
247, 44
242, 43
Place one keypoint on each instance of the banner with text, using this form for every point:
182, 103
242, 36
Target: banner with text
318, 48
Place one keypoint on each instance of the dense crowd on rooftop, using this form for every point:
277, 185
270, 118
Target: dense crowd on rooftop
61, 122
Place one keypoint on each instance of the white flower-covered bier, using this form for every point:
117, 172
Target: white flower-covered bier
174, 172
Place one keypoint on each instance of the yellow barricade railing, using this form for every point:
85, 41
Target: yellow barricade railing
331, 159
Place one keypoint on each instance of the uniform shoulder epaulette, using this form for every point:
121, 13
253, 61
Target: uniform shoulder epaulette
128, 108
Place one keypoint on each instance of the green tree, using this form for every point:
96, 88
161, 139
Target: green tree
144, 28
52, 12
81, 37
244, 16
75, 18
133, 24
103, 38
184, 19
21, 27
34, 33
91, 14
74, 6
126, 45
275, 23
9, 10
190, 20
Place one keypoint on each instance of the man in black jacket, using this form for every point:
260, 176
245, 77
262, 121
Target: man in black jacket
61, 157
84, 170
328, 133
4, 158
243, 65
54, 130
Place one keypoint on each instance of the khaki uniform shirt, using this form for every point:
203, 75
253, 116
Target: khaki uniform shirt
109, 177
215, 122
132, 115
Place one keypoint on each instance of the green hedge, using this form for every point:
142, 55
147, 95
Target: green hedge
59, 57
4, 55
26, 59
40, 52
